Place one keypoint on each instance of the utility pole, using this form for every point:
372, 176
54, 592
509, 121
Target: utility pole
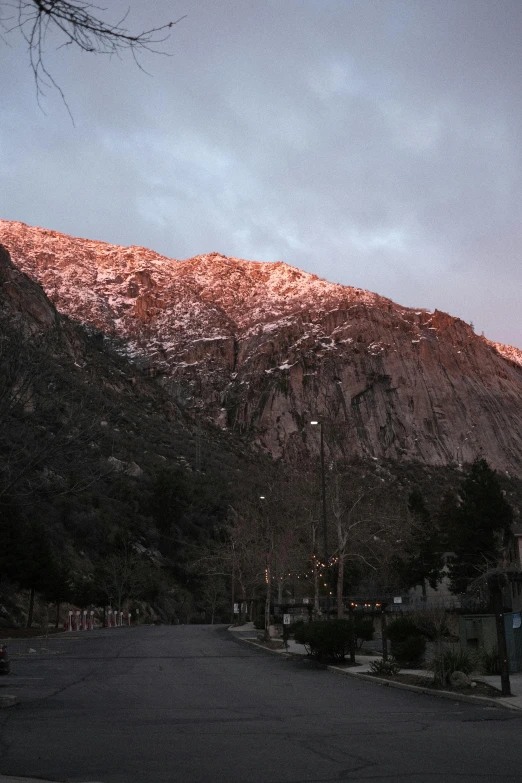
233, 587
495, 587
323, 492
325, 525
268, 575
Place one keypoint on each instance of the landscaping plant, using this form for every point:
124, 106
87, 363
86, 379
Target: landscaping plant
326, 639
407, 644
385, 668
488, 661
452, 661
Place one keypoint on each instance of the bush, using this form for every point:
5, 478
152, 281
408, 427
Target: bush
454, 661
410, 652
301, 633
488, 661
401, 628
388, 668
363, 630
259, 624
407, 644
326, 639
292, 628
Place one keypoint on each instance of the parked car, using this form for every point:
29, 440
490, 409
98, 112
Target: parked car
5, 666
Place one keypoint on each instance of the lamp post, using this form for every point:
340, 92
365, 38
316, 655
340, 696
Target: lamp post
268, 594
323, 494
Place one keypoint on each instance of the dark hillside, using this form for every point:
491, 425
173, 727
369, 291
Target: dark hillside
93, 452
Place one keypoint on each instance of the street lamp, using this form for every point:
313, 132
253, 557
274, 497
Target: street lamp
268, 580
323, 493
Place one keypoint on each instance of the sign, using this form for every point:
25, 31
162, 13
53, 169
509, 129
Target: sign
236, 608
306, 600
286, 619
517, 620
397, 599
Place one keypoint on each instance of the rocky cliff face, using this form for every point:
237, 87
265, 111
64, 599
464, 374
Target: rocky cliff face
262, 348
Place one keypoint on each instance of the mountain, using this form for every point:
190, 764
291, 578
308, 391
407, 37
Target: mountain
261, 348
94, 451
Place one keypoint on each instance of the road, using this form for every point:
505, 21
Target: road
191, 704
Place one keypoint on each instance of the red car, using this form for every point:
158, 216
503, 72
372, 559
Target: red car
5, 666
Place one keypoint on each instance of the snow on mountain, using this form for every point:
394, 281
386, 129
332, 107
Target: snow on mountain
109, 286
508, 352
261, 347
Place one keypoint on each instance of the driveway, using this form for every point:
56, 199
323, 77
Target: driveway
192, 704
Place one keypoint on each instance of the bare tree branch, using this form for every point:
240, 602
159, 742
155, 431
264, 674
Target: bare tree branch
78, 24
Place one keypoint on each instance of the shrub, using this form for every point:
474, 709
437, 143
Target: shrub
363, 630
407, 644
453, 661
410, 652
388, 668
260, 622
326, 639
292, 628
401, 628
301, 633
488, 661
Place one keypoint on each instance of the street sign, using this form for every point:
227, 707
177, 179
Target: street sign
236, 608
397, 599
286, 619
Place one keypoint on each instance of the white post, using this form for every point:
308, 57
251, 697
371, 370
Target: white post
77, 623
92, 619
70, 621
84, 620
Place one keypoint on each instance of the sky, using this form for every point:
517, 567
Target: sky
376, 143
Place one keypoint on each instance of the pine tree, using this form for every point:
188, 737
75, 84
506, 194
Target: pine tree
481, 519
12, 547
422, 560
37, 565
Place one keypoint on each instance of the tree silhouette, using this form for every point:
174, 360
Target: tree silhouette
482, 517
422, 558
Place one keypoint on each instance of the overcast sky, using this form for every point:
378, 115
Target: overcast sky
373, 142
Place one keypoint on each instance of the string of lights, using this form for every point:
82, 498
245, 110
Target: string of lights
318, 566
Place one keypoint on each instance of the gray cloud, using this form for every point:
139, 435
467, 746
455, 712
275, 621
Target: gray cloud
374, 143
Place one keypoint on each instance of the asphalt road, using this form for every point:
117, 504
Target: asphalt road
191, 704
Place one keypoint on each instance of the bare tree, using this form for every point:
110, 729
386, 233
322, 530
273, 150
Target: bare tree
213, 595
364, 519
305, 503
122, 576
80, 24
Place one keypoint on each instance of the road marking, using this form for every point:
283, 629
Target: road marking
27, 678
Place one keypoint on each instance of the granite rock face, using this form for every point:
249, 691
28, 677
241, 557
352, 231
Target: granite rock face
262, 348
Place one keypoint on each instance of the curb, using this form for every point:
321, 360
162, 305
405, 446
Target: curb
8, 701
18, 779
281, 651
481, 700
484, 700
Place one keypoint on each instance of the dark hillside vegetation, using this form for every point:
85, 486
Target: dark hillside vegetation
98, 467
